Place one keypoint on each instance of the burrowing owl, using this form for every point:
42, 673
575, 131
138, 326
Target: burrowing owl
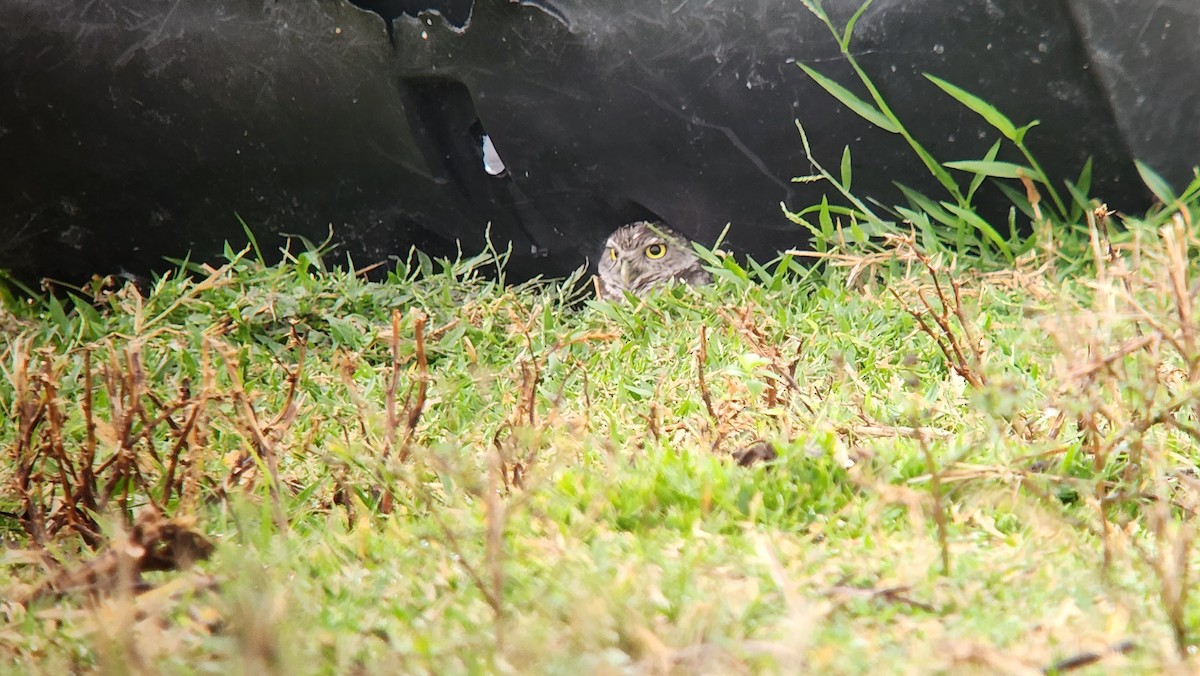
643, 255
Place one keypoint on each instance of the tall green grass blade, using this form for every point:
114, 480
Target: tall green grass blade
978, 224
930, 240
864, 110
1079, 192
58, 316
258, 255
1020, 137
7, 279
1018, 198
88, 316
985, 110
784, 266
814, 6
866, 211
826, 220
877, 113
1192, 191
1079, 202
848, 31
1006, 127
993, 169
857, 233
847, 175
988, 157
922, 203
731, 270
761, 272
1157, 184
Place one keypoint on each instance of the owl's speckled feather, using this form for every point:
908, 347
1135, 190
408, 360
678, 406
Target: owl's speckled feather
643, 255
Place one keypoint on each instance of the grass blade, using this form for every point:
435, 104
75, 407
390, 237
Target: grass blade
994, 169
975, 221
258, 255
1079, 192
1157, 184
1193, 189
847, 175
922, 203
985, 110
1020, 138
865, 110
848, 31
989, 156
1018, 198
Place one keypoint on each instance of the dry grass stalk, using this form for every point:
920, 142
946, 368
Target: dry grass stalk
715, 421
1042, 226
895, 247
1122, 376
63, 484
264, 438
414, 405
748, 327
962, 348
701, 361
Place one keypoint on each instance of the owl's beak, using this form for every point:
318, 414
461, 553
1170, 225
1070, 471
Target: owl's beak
626, 274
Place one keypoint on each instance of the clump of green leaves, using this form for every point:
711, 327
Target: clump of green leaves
953, 224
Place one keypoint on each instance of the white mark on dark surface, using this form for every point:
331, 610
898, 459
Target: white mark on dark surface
492, 163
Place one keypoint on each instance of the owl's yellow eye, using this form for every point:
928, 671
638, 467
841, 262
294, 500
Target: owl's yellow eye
656, 251
612, 253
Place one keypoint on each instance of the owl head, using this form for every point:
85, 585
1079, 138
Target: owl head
643, 255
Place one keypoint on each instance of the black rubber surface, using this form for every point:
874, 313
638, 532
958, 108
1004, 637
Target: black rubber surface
137, 129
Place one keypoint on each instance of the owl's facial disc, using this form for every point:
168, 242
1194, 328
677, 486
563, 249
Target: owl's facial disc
626, 274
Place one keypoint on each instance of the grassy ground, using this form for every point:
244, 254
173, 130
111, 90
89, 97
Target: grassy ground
984, 453
987, 469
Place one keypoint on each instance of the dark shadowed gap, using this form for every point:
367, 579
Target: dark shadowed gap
456, 12
442, 112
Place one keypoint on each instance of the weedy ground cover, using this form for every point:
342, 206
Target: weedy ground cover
974, 469
942, 444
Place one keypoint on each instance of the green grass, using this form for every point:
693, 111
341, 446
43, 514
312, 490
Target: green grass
567, 502
987, 446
